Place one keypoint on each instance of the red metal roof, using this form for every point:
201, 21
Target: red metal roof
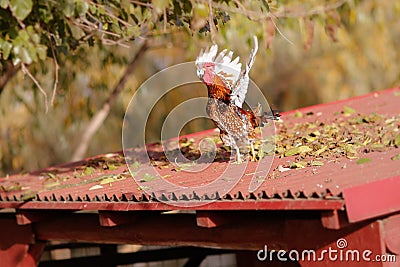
104, 182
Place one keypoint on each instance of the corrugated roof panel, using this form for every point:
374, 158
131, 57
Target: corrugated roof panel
106, 178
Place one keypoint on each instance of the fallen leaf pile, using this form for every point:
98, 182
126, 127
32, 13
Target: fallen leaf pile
312, 142
350, 135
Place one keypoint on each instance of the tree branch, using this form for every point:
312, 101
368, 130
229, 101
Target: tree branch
98, 119
282, 13
211, 21
26, 71
56, 69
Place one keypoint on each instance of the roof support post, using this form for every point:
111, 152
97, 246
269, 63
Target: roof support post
114, 218
334, 219
17, 244
210, 219
361, 246
392, 234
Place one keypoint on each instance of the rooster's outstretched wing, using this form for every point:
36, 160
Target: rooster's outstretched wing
229, 71
239, 89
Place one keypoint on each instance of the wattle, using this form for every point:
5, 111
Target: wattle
208, 77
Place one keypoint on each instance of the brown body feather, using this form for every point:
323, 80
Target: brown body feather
218, 90
237, 126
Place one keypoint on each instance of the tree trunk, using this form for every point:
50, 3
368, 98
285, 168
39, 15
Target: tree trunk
98, 119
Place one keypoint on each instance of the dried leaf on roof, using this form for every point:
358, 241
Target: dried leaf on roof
397, 157
363, 160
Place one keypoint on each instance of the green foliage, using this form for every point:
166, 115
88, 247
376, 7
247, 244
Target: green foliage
28, 28
21, 8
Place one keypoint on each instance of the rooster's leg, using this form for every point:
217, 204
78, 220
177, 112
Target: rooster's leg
253, 152
238, 159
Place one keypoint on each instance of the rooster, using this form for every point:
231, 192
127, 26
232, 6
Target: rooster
227, 87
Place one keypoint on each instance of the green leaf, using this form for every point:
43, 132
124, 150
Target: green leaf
28, 196
321, 150
378, 147
297, 165
95, 187
32, 35
305, 149
397, 140
82, 7
26, 56
21, 8
397, 157
16, 186
52, 184
316, 163
298, 114
201, 10
23, 36
111, 179
100, 10
16, 60
41, 51
292, 152
108, 180
51, 175
143, 187
111, 167
69, 8
4, 4
266, 149
133, 31
6, 47
88, 170
363, 160
347, 111
147, 177
160, 5
297, 150
310, 139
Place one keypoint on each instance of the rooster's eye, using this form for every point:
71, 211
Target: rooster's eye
200, 72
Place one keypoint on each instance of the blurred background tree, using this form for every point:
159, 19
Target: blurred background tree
69, 68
